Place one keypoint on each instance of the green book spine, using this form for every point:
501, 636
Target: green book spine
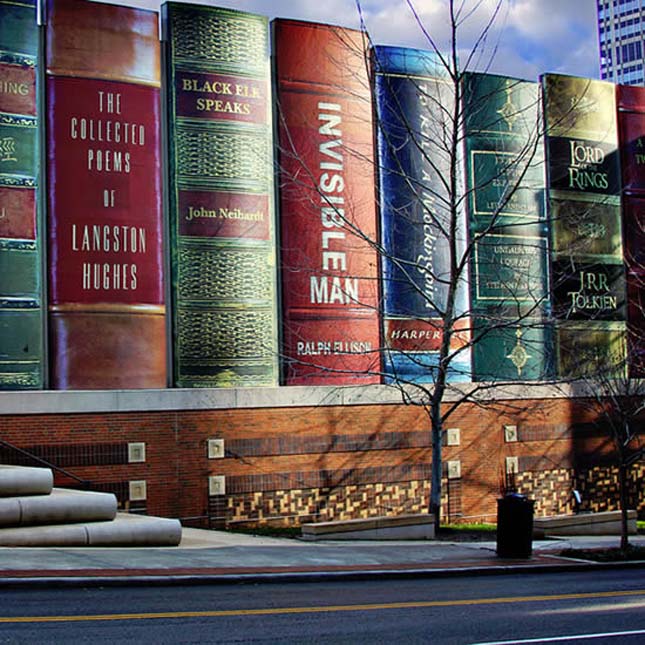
584, 184
505, 187
21, 314
220, 178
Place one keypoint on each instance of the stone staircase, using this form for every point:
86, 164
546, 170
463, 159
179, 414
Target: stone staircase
34, 513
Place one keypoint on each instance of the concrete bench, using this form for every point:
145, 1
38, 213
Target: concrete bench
23, 480
397, 527
603, 523
123, 531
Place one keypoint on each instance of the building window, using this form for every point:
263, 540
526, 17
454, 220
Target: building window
631, 51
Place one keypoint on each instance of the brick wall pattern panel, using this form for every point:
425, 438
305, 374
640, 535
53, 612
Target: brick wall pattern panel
552, 490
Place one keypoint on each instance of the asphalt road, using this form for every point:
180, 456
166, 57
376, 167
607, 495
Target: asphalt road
604, 607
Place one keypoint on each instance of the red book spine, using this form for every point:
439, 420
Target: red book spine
631, 128
106, 297
327, 206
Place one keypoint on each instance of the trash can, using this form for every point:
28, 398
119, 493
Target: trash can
514, 526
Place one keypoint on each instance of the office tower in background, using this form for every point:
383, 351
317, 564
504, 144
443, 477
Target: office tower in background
620, 35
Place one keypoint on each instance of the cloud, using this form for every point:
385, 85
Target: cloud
529, 37
337, 12
558, 36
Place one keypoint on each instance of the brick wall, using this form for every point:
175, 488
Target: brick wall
295, 463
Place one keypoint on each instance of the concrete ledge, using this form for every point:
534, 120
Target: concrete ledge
60, 507
604, 523
124, 531
81, 401
399, 527
22, 480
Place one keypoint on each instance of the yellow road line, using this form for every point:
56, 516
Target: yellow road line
317, 610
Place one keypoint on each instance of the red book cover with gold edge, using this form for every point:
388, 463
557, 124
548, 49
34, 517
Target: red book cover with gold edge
327, 206
631, 129
106, 296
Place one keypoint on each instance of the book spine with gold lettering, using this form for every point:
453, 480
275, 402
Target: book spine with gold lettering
584, 184
504, 164
631, 130
21, 312
106, 295
411, 96
328, 262
220, 175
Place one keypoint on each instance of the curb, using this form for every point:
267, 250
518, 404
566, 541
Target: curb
177, 579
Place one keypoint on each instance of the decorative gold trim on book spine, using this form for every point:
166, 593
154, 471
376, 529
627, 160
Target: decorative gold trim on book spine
107, 308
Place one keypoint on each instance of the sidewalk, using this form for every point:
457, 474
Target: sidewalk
221, 557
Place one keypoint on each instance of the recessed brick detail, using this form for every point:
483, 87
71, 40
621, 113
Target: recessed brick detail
559, 432
298, 445
326, 478
89, 454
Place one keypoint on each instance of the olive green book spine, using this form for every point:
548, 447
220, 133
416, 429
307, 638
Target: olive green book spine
220, 197
584, 188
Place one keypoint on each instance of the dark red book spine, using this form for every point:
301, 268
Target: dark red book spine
327, 206
631, 128
106, 296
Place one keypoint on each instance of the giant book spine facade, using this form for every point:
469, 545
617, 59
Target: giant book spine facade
631, 129
221, 197
412, 96
21, 314
328, 264
106, 296
504, 163
587, 272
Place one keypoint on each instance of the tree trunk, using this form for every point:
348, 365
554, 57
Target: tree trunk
622, 493
435, 481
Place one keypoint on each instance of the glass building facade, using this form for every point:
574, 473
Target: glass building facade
621, 25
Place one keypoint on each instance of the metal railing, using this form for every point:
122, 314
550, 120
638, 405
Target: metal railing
85, 484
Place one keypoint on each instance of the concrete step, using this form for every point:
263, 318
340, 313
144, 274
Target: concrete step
124, 531
600, 523
418, 526
22, 480
60, 507
33, 513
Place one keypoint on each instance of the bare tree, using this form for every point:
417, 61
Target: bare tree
619, 402
436, 198
444, 195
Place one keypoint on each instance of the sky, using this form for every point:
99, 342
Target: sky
530, 36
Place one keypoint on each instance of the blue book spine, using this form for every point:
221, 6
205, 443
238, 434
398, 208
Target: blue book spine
410, 93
